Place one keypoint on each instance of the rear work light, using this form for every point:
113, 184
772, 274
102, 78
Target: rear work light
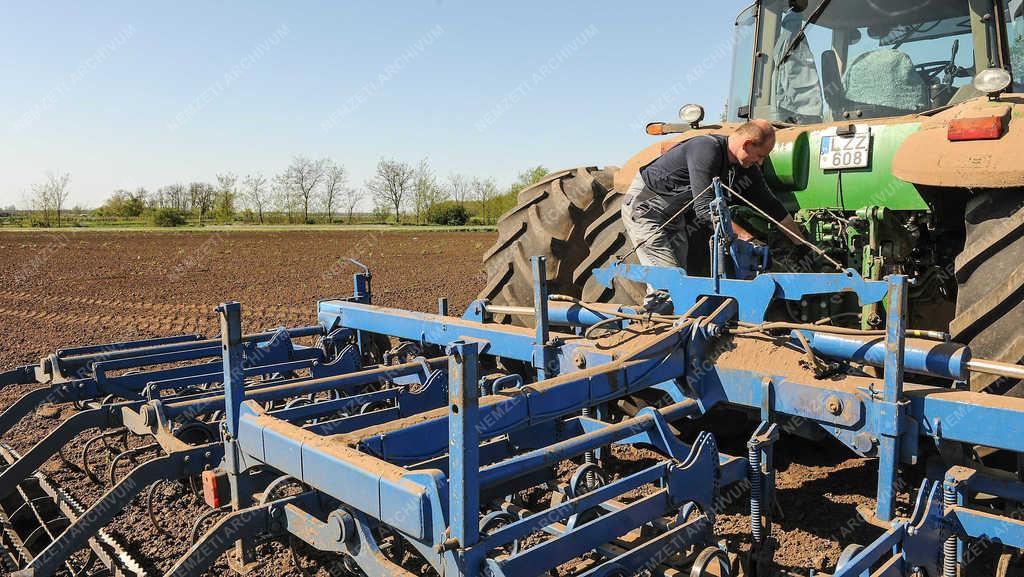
985, 128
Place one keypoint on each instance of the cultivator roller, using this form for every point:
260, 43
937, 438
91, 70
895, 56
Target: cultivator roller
471, 447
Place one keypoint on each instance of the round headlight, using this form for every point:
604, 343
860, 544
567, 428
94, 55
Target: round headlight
692, 114
992, 80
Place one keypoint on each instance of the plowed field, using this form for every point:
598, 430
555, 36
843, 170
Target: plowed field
93, 287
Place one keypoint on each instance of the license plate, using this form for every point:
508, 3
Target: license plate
839, 152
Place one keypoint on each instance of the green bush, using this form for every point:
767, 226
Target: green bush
447, 214
167, 217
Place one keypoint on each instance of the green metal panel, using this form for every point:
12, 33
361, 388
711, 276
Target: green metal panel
853, 189
787, 166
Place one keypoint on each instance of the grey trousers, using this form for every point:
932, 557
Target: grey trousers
666, 247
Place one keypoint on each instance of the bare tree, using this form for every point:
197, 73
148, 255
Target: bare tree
256, 193
303, 177
158, 199
224, 198
284, 198
201, 196
426, 192
351, 197
58, 184
392, 185
176, 196
484, 190
38, 200
335, 178
49, 196
459, 188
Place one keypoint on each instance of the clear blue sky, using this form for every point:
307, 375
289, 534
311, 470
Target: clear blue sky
128, 94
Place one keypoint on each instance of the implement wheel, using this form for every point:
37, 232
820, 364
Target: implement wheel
549, 220
990, 274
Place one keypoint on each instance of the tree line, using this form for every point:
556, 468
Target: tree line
306, 191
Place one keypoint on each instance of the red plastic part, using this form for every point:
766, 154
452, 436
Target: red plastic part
212, 491
986, 128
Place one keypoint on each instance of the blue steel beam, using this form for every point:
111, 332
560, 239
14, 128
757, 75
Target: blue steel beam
937, 358
891, 422
976, 418
377, 488
422, 437
464, 445
754, 295
206, 403
501, 340
381, 490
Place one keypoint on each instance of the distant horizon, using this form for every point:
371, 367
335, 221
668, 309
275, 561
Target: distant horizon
123, 96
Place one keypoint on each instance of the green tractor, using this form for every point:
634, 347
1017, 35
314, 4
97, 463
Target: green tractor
900, 150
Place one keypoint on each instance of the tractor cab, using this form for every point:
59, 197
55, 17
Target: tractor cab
803, 62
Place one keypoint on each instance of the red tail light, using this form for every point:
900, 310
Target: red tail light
986, 128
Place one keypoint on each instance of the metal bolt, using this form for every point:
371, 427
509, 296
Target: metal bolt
579, 359
207, 455
343, 524
187, 459
834, 406
147, 415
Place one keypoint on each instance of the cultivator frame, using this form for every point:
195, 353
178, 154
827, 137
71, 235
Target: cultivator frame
428, 457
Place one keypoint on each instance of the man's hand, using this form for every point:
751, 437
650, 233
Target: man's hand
741, 233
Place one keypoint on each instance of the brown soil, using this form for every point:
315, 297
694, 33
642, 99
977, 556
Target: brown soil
93, 287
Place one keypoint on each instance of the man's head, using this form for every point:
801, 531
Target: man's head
752, 143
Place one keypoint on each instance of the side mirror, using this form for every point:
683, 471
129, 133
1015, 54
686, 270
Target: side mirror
798, 5
743, 112
832, 80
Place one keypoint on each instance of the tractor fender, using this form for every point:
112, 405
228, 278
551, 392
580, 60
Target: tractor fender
786, 169
929, 158
625, 175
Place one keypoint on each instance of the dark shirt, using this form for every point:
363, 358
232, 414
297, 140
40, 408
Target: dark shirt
688, 167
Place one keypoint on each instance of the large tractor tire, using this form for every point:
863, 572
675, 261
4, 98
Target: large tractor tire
607, 239
549, 220
990, 275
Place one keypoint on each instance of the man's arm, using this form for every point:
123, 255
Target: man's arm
754, 188
792, 230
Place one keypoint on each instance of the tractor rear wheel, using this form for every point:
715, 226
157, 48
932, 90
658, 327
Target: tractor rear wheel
606, 238
549, 220
990, 275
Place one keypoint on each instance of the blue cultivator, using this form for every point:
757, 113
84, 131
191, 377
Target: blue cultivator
446, 454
